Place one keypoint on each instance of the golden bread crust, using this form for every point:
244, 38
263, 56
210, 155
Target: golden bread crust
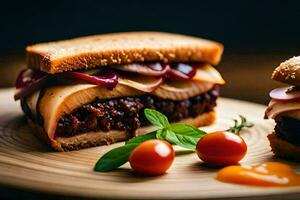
284, 149
288, 72
99, 138
121, 48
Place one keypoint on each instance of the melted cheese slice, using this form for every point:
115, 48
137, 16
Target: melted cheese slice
32, 101
277, 108
60, 100
180, 90
142, 83
207, 73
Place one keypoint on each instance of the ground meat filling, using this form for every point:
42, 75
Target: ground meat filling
288, 129
126, 113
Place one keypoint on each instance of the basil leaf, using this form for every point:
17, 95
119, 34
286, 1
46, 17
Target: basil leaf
187, 129
183, 141
114, 158
161, 134
184, 135
156, 118
141, 138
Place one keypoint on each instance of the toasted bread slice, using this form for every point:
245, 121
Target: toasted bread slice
92, 139
288, 71
284, 149
121, 48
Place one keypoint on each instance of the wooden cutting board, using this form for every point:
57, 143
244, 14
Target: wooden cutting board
25, 162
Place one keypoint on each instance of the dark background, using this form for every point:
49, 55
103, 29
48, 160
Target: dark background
241, 25
257, 35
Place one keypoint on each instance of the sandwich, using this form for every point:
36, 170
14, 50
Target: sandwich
284, 108
92, 90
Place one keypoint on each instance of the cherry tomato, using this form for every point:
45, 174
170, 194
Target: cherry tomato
221, 148
152, 157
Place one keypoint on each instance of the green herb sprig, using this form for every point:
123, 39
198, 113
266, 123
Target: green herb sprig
239, 125
182, 135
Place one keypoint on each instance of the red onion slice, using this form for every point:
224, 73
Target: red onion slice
29, 81
28, 77
181, 71
108, 78
25, 91
281, 94
147, 69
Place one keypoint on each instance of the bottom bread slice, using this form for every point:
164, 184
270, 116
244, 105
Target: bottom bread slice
91, 139
284, 149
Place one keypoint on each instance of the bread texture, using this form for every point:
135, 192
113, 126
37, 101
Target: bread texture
284, 149
288, 72
91, 139
121, 48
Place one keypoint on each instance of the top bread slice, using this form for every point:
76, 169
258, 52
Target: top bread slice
288, 72
121, 48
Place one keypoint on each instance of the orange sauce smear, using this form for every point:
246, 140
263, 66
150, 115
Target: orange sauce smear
268, 174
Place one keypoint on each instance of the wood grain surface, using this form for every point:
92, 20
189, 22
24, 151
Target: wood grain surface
25, 162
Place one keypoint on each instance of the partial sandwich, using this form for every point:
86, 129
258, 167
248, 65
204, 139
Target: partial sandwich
284, 108
92, 91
